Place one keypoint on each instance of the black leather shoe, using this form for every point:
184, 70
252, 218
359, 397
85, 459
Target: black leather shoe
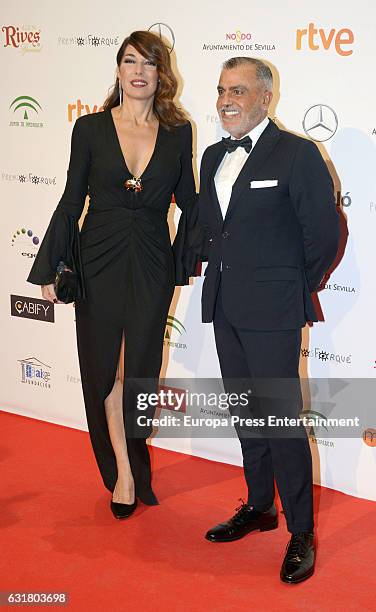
245, 520
122, 511
299, 561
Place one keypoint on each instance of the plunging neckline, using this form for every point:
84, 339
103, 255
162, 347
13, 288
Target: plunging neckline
121, 150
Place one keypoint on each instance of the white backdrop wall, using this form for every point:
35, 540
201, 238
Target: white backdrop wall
62, 56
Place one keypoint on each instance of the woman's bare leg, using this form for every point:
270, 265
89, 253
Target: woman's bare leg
124, 489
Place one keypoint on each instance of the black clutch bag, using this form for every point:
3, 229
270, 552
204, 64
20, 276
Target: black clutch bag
66, 284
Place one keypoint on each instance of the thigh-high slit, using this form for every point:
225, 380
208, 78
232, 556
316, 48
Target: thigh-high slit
100, 328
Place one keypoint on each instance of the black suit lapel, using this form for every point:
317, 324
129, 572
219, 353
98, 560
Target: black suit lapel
262, 150
218, 155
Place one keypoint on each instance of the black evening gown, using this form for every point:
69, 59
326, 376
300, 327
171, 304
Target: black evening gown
128, 269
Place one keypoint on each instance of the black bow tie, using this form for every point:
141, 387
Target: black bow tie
231, 145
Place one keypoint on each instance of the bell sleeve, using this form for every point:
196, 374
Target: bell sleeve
189, 244
61, 240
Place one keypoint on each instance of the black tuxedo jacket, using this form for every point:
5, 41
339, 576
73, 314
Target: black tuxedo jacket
276, 242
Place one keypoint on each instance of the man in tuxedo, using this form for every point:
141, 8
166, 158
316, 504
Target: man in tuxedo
267, 203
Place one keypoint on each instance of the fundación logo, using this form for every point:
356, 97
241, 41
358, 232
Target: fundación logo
318, 39
35, 372
24, 38
165, 32
320, 122
32, 308
22, 107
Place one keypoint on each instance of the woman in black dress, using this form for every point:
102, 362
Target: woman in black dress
130, 159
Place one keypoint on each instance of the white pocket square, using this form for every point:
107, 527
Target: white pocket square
260, 184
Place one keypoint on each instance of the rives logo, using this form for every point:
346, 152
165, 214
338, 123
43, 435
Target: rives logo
319, 39
24, 38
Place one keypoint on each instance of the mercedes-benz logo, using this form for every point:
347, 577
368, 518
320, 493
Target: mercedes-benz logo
320, 122
164, 30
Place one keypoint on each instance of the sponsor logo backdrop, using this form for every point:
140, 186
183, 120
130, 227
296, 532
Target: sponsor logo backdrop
58, 62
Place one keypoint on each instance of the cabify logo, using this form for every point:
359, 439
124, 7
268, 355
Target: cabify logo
173, 323
31, 308
25, 102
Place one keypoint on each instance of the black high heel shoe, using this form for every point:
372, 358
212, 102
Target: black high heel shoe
123, 511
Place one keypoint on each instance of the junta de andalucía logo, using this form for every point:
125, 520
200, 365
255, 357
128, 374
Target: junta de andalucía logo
173, 323
26, 110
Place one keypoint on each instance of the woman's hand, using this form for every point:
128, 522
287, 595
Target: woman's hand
48, 293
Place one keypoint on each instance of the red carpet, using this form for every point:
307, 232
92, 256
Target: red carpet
57, 534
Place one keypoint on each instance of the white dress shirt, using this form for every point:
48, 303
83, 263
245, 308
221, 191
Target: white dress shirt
231, 165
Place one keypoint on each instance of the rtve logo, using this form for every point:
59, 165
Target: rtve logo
78, 109
318, 38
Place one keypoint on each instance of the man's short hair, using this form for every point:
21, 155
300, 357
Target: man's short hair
263, 72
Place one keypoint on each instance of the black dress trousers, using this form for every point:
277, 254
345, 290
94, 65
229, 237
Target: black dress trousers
268, 362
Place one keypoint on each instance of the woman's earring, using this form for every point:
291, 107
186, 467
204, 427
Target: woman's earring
120, 94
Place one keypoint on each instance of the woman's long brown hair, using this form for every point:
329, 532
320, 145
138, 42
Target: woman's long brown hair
153, 48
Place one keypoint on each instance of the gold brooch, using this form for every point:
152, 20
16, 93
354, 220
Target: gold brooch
134, 184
